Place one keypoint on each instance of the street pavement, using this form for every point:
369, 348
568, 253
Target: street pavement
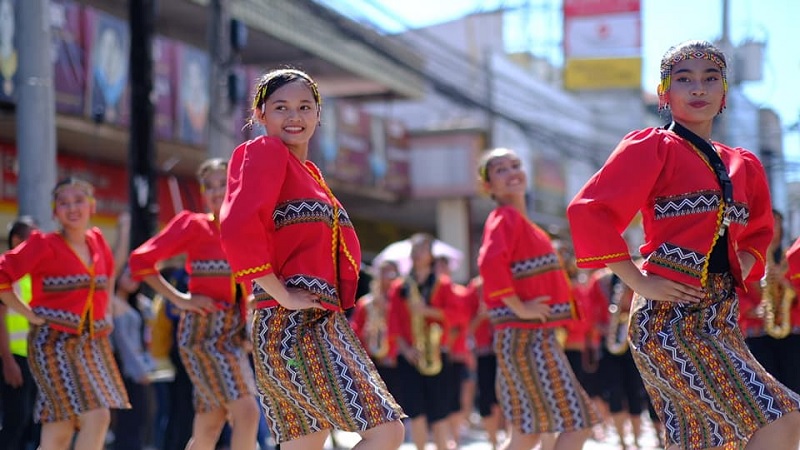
475, 439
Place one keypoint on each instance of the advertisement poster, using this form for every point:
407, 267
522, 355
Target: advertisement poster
69, 67
9, 59
193, 93
164, 88
108, 68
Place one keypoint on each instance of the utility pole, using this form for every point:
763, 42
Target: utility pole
727, 47
36, 113
142, 148
220, 115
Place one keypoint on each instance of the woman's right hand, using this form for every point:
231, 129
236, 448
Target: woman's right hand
200, 304
654, 287
536, 309
300, 299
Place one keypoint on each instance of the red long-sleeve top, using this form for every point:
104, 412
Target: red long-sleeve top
580, 331
793, 275
197, 236
280, 217
517, 258
358, 320
65, 290
483, 332
459, 324
663, 176
442, 297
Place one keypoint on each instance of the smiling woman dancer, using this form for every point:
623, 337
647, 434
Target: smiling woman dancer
283, 229
707, 222
71, 360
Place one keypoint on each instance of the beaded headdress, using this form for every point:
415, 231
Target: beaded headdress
488, 157
83, 185
689, 50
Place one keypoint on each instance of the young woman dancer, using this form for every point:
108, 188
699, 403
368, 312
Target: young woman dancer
707, 223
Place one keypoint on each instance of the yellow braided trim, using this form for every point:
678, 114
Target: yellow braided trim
720, 214
337, 237
601, 258
795, 276
501, 292
252, 270
6, 287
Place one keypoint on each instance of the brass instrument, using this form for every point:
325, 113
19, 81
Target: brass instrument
776, 303
377, 338
617, 332
426, 336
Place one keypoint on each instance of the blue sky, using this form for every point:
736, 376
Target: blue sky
664, 23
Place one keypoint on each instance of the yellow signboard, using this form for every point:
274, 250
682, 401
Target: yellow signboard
603, 73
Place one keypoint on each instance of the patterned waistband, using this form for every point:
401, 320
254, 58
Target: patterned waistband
504, 315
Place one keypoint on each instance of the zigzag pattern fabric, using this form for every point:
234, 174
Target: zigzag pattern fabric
536, 387
69, 319
211, 350
699, 202
73, 282
558, 311
210, 268
678, 259
309, 210
313, 374
704, 383
533, 266
75, 374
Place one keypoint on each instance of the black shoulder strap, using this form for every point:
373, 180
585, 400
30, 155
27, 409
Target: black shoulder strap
713, 158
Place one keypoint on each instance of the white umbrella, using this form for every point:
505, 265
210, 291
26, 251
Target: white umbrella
400, 253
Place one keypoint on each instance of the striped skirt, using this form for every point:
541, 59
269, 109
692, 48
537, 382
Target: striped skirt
536, 387
704, 383
313, 374
211, 350
74, 373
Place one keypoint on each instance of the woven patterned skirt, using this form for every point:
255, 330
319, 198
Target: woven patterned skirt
74, 373
313, 374
211, 350
536, 387
705, 385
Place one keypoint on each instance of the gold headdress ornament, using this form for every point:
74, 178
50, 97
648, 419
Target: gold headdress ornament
263, 85
68, 182
85, 186
690, 50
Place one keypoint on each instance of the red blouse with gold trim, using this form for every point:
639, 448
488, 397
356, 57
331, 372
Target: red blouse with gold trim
664, 176
441, 296
483, 332
579, 332
197, 236
280, 217
517, 258
793, 274
65, 291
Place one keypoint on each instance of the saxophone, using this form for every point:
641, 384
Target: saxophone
377, 338
776, 303
617, 333
426, 336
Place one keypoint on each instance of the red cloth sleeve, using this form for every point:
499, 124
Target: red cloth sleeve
793, 258
21, 260
359, 318
494, 260
605, 206
170, 241
399, 320
255, 175
757, 235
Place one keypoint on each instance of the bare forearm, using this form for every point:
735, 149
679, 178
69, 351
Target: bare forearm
274, 287
515, 304
628, 272
166, 290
